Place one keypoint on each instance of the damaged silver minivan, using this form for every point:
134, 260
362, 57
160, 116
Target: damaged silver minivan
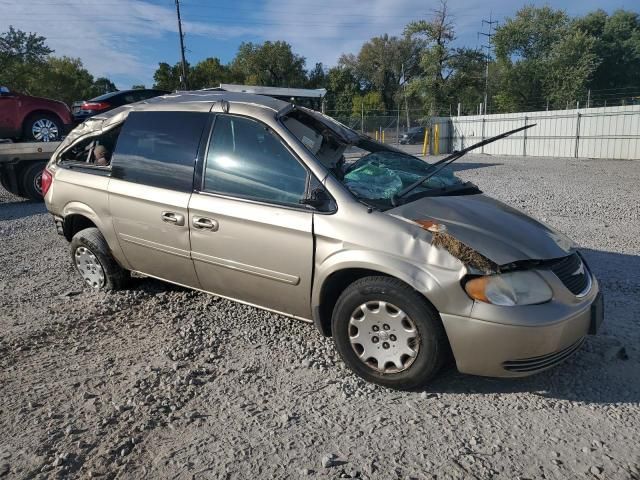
273, 205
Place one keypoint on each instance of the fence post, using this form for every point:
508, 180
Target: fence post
577, 134
425, 143
398, 126
482, 149
524, 139
362, 117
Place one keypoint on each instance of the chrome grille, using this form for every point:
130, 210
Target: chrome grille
542, 362
573, 273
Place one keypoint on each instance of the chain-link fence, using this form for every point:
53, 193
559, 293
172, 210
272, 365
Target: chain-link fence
413, 127
603, 132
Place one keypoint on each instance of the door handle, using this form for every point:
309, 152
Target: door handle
172, 217
203, 223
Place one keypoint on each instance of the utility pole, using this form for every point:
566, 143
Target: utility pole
491, 23
183, 77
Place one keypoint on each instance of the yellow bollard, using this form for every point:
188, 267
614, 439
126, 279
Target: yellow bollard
382, 136
376, 135
436, 140
425, 143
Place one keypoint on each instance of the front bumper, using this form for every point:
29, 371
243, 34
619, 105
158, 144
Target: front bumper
486, 348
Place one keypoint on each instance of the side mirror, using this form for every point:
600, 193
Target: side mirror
318, 199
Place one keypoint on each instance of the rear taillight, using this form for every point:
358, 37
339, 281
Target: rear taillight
47, 179
95, 106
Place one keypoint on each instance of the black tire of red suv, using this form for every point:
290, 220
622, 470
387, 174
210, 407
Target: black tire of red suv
4, 181
31, 181
27, 128
432, 340
90, 239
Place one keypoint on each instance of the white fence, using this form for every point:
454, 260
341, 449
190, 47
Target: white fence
606, 132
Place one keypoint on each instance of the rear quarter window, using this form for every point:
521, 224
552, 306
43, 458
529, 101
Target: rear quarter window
159, 149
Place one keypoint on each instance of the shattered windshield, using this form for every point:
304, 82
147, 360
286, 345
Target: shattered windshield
372, 171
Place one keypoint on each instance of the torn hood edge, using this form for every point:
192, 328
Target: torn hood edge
498, 232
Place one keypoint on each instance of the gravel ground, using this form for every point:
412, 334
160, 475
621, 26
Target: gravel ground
161, 382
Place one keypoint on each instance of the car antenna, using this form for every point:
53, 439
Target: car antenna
440, 164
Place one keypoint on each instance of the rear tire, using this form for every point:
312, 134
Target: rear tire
31, 179
92, 259
379, 317
42, 127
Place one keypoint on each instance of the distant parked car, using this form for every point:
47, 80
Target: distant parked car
23, 117
413, 135
84, 109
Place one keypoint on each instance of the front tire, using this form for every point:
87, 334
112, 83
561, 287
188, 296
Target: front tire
387, 333
92, 259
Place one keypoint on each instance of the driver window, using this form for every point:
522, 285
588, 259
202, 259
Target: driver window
247, 160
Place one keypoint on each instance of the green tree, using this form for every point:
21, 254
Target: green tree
316, 77
531, 33
65, 79
373, 104
569, 67
466, 82
617, 46
102, 85
208, 73
341, 86
269, 63
379, 65
436, 57
167, 77
21, 56
541, 58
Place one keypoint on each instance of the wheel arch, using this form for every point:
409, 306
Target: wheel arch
39, 111
84, 214
75, 222
79, 216
330, 283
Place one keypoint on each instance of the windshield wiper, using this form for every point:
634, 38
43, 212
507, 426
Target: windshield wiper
439, 165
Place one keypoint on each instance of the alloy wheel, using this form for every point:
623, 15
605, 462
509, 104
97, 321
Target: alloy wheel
44, 130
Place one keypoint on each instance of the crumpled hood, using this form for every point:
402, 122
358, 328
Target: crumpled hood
497, 231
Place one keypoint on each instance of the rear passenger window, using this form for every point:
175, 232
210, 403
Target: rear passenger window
159, 149
94, 151
247, 160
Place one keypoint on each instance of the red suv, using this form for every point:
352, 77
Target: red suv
27, 118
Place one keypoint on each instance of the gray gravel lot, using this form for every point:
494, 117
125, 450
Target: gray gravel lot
161, 382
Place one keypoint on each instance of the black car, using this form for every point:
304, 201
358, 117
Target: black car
413, 135
84, 109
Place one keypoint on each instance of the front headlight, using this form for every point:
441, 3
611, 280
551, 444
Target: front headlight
507, 289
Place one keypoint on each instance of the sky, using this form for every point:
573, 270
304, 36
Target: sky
125, 40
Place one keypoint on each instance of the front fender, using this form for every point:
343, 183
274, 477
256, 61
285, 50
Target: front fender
440, 285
